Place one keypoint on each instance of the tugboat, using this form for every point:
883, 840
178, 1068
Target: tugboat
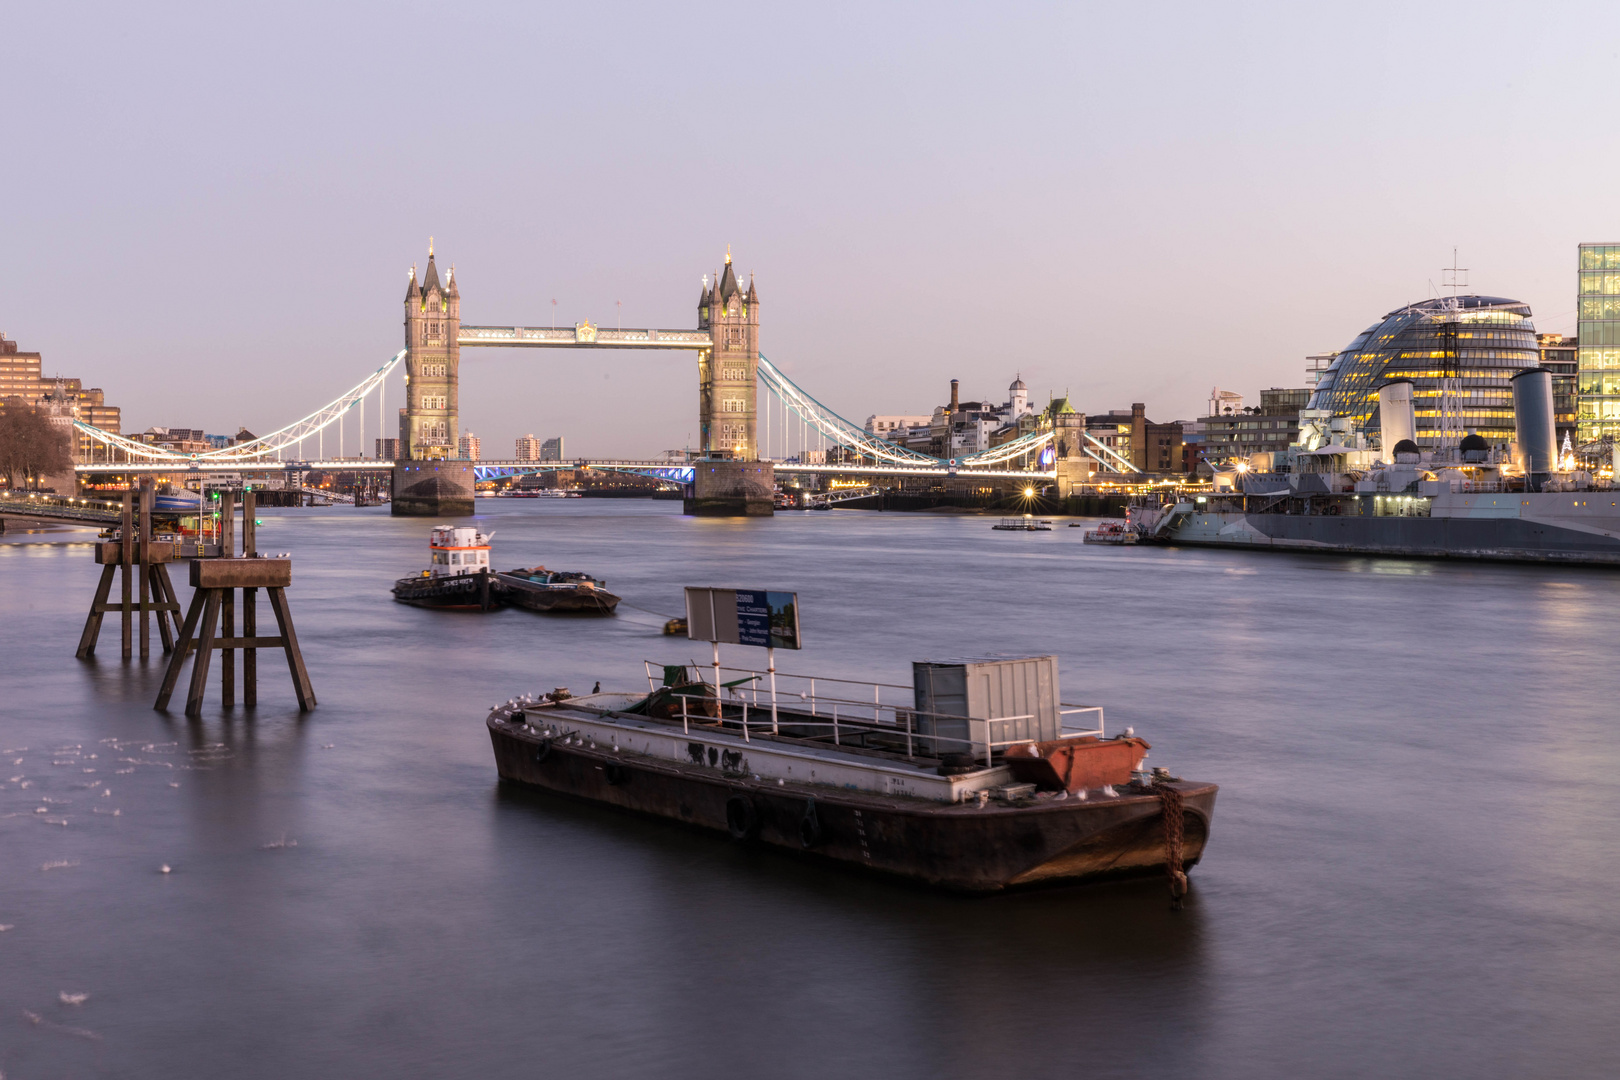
971, 779
539, 589
459, 576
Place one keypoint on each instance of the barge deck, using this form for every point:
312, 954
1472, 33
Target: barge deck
870, 790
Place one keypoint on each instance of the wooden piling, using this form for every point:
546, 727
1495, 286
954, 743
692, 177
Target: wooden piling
146, 502
98, 608
227, 606
250, 596
213, 579
127, 538
136, 552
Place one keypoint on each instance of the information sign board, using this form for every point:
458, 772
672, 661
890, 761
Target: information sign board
758, 617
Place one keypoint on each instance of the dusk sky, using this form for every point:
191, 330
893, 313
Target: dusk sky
210, 210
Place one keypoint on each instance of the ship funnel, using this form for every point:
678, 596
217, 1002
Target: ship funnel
1395, 420
1533, 422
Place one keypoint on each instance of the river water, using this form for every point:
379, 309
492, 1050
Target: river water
1411, 872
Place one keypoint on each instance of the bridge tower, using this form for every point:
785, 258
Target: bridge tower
429, 481
728, 375
730, 480
432, 325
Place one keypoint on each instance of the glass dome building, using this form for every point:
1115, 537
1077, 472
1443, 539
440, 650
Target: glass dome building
1480, 341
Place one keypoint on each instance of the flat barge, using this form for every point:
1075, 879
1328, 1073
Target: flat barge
539, 589
945, 799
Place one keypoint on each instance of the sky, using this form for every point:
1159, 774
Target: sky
209, 209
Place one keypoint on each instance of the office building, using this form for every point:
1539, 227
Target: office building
65, 399
467, 446
1558, 358
1597, 312
528, 448
1270, 427
552, 449
387, 449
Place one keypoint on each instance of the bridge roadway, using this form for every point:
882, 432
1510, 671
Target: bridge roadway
487, 468
71, 509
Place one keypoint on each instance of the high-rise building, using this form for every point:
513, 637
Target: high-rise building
528, 448
1558, 358
552, 449
66, 400
467, 446
387, 449
19, 372
1597, 309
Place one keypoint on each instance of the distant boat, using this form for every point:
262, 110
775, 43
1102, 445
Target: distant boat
1023, 524
1109, 532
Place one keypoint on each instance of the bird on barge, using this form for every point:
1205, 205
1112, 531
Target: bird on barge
539, 589
458, 576
974, 779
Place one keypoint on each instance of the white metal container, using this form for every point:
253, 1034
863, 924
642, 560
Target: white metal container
1021, 690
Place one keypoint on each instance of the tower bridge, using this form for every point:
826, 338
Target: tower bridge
726, 476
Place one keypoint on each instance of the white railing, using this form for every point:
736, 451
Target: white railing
852, 715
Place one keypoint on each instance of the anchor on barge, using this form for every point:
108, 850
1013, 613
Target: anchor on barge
974, 778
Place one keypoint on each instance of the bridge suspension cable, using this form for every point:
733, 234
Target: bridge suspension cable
261, 448
833, 426
849, 435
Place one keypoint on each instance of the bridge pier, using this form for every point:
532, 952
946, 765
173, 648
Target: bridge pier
433, 488
732, 489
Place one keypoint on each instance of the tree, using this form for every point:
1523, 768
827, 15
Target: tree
31, 446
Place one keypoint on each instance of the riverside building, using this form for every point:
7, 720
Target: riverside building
1270, 428
65, 399
1597, 309
1558, 359
1475, 343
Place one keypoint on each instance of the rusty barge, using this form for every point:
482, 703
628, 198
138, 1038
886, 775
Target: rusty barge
979, 783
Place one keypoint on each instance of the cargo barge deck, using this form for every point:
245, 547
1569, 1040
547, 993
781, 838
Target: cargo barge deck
854, 781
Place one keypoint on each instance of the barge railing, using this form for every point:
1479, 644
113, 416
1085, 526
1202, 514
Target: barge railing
848, 715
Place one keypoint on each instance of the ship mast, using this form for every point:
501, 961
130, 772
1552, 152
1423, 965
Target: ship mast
1450, 382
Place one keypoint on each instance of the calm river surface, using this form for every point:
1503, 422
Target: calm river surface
1412, 870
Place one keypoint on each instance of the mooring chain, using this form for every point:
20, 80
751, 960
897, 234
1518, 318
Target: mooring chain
1174, 833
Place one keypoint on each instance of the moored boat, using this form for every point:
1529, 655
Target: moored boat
1110, 532
1023, 524
973, 789
539, 589
458, 576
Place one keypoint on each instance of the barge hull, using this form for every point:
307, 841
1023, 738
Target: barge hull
960, 847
